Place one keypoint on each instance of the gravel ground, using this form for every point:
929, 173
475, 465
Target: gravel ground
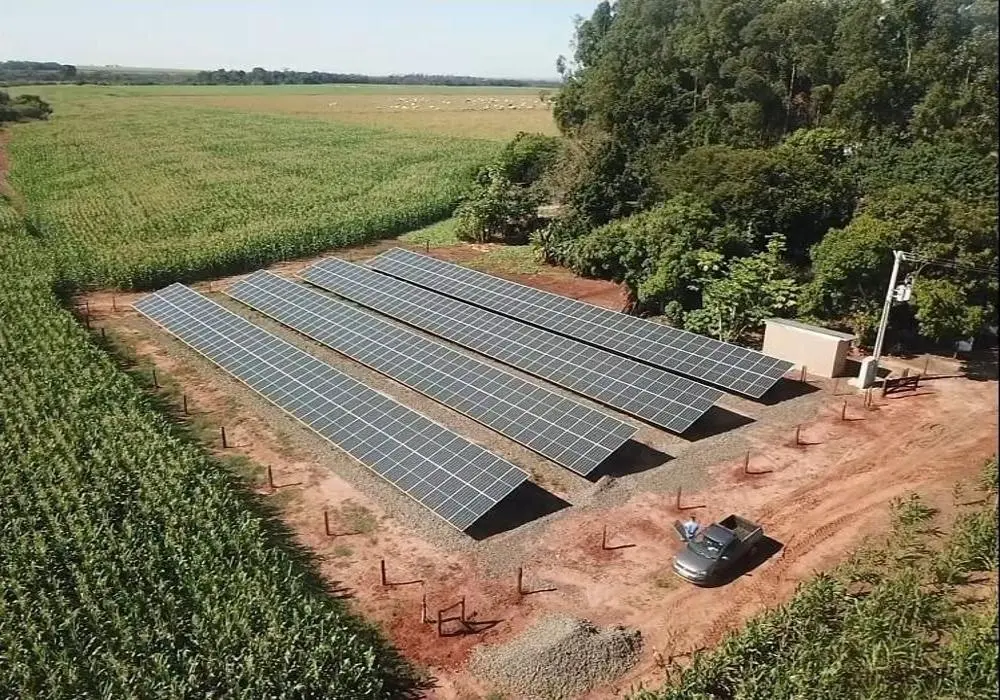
654, 461
560, 657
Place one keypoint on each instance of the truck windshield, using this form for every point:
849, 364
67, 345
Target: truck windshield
705, 546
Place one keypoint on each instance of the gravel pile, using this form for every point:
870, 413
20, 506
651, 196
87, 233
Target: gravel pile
560, 657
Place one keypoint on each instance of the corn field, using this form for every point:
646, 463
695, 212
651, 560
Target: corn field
130, 193
899, 620
131, 565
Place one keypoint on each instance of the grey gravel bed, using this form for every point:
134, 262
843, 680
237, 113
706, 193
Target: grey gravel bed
658, 461
560, 657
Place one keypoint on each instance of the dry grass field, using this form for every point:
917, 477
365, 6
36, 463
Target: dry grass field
461, 112
495, 114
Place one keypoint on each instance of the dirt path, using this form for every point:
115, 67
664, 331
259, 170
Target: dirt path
818, 500
555, 279
821, 501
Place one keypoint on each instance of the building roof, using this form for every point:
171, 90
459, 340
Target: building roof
812, 329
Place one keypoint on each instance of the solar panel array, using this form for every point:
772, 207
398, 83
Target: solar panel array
456, 479
649, 393
565, 431
722, 364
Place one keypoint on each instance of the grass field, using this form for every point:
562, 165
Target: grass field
130, 189
456, 112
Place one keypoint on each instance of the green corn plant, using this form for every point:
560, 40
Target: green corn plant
131, 565
902, 635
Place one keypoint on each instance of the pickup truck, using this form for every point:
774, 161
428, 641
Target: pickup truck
714, 551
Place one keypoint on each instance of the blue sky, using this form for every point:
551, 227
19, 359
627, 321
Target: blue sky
488, 38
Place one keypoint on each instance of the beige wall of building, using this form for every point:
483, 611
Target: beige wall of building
823, 352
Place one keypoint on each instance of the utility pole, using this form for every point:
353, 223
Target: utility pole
869, 369
869, 366
898, 257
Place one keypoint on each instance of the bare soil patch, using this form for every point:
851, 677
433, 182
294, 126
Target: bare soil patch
818, 501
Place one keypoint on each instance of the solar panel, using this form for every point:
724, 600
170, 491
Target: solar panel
565, 431
649, 393
705, 359
456, 479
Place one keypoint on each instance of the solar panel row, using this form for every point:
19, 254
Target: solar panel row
705, 359
569, 433
456, 479
649, 393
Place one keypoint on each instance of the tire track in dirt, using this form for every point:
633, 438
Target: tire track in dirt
834, 495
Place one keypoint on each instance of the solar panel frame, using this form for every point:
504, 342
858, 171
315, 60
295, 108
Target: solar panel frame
648, 393
559, 428
399, 445
732, 367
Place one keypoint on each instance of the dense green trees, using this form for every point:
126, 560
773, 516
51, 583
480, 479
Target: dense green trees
851, 265
503, 203
846, 127
35, 72
739, 295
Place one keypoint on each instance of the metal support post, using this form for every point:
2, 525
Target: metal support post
898, 257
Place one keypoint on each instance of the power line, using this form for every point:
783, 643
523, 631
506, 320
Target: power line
949, 263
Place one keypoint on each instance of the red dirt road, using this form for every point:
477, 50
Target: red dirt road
818, 500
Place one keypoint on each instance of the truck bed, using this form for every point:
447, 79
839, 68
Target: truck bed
741, 527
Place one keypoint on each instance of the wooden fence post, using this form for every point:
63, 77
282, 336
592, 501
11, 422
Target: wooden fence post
520, 579
802, 378
222, 429
270, 478
604, 537
184, 398
746, 462
843, 412
156, 383
677, 500
382, 573
326, 523
798, 431
439, 623
114, 307
423, 609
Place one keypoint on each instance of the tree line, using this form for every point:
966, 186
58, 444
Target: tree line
33, 72
727, 161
